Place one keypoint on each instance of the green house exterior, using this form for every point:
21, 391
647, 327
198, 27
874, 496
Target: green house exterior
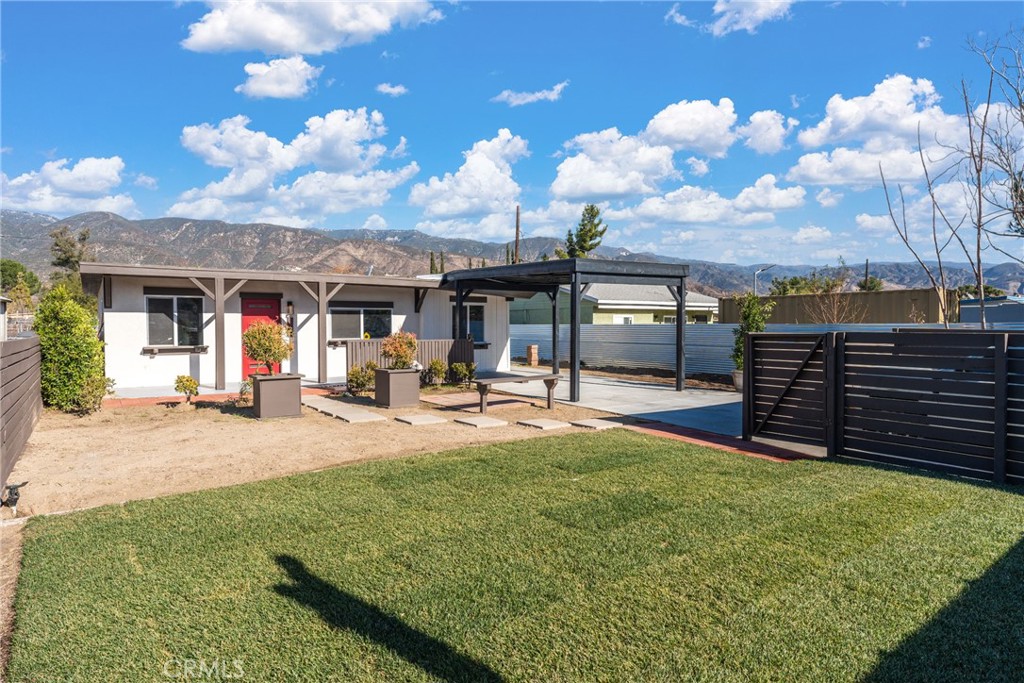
604, 304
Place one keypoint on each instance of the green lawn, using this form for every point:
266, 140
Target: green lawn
607, 557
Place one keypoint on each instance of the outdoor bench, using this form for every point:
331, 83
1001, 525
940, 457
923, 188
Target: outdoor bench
484, 386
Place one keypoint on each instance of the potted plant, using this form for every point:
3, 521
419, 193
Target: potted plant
754, 314
398, 385
273, 395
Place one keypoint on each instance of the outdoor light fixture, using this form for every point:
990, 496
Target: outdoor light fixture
758, 272
290, 308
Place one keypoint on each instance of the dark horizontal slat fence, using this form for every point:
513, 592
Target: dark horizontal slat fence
20, 400
449, 350
950, 401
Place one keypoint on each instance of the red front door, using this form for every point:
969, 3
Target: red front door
268, 310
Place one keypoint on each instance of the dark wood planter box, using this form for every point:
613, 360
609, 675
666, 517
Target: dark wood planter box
397, 388
276, 395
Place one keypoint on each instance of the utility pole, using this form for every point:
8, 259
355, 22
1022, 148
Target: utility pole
516, 260
866, 272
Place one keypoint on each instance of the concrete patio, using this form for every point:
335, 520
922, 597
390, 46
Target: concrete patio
718, 412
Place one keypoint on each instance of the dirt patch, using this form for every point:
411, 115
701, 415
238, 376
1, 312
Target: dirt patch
10, 563
122, 454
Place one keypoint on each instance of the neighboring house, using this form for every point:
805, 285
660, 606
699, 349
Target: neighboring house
998, 309
159, 322
3, 317
615, 304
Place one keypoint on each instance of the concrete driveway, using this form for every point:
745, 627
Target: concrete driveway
711, 411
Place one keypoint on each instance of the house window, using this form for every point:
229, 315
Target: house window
360, 323
174, 320
622, 320
701, 319
669, 320
474, 324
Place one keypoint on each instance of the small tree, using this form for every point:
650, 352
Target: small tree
872, 284
754, 314
21, 296
400, 349
71, 364
9, 271
440, 267
267, 343
587, 237
187, 385
433, 264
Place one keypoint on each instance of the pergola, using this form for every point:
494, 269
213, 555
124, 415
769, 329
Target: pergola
527, 279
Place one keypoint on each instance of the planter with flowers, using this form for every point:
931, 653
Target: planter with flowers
273, 395
398, 385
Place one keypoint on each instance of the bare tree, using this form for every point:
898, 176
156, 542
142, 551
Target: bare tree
835, 302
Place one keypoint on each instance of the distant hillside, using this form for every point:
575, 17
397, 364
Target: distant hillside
216, 244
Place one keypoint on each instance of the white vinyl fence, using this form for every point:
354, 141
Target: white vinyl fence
707, 347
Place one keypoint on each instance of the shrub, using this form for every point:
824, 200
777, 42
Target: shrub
436, 372
754, 314
188, 385
400, 349
267, 343
71, 368
361, 379
245, 392
463, 373
91, 396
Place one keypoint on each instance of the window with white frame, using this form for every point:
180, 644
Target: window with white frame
669, 320
360, 323
174, 320
474, 322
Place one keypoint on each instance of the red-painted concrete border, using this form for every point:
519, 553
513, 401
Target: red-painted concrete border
728, 444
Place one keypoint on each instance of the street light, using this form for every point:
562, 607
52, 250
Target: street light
758, 272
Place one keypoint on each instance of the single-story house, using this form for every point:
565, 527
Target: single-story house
159, 322
617, 304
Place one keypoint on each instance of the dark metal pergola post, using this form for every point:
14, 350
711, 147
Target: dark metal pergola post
574, 339
555, 320
680, 292
460, 312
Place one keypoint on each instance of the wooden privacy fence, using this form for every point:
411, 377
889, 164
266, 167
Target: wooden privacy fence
951, 401
359, 351
20, 400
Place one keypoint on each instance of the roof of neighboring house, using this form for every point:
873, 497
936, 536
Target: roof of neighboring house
4, 299
640, 295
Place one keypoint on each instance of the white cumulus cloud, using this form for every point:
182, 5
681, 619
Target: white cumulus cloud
609, 164
392, 90
766, 131
339, 151
482, 185
673, 16
812, 234
764, 194
517, 99
58, 188
924, 42
309, 28
698, 167
289, 78
827, 198
697, 126
375, 222
746, 15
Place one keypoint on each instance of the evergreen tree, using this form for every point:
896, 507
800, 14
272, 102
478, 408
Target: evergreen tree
587, 237
545, 257
20, 295
873, 284
433, 264
9, 271
508, 254
483, 263
441, 267
69, 250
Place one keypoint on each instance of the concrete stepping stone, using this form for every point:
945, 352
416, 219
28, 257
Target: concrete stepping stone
419, 420
544, 424
595, 423
342, 411
360, 416
480, 421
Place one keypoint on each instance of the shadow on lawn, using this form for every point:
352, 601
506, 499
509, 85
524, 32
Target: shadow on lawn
979, 636
344, 611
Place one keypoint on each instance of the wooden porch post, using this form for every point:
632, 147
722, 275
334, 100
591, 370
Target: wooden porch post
220, 333
321, 320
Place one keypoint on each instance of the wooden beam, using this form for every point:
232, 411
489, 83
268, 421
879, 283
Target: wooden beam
321, 319
337, 288
218, 330
203, 288
309, 291
419, 296
234, 289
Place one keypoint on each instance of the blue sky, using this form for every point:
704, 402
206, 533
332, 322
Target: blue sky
737, 132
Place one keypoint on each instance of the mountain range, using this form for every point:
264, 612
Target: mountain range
25, 237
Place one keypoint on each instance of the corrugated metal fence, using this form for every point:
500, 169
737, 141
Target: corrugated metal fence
20, 399
708, 348
449, 350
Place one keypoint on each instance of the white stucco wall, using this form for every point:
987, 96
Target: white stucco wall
125, 331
